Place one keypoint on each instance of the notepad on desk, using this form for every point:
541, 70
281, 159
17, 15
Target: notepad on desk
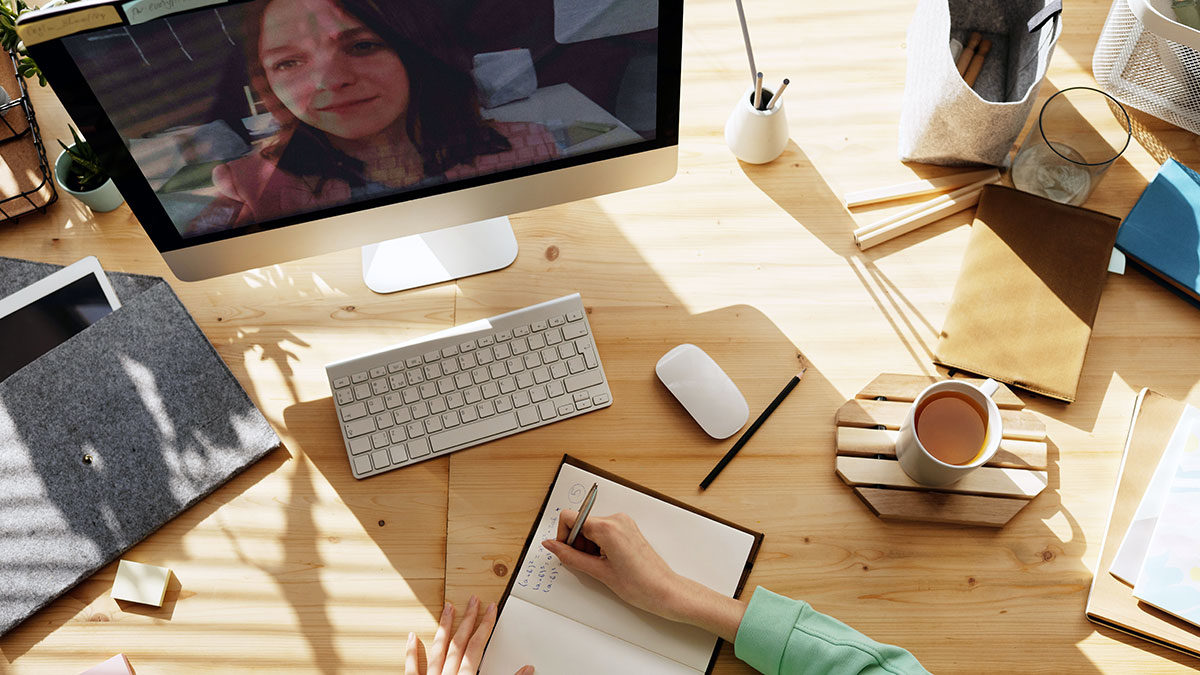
573, 623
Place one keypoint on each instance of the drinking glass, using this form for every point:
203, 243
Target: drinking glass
1064, 157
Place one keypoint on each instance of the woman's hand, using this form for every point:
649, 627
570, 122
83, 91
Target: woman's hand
618, 555
461, 654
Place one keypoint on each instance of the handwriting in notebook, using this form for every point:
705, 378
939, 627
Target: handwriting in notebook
541, 567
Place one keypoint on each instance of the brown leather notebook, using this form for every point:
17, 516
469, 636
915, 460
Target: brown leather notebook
1027, 292
1110, 602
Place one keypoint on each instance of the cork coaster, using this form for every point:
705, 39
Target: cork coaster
990, 496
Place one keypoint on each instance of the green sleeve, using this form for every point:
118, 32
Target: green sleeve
781, 636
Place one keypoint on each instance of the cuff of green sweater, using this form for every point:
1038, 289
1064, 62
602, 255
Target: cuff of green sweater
766, 626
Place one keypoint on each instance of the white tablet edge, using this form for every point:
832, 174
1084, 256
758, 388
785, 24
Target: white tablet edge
43, 287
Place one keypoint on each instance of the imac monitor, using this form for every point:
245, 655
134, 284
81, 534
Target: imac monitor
244, 133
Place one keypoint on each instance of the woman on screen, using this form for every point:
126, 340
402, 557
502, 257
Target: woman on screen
370, 101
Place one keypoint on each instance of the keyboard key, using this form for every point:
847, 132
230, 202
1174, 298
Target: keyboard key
412, 361
521, 399
539, 326
433, 424
474, 432
547, 411
411, 396
515, 365
566, 409
420, 410
466, 346
353, 411
584, 380
384, 421
472, 395
341, 382
432, 356
403, 416
479, 375
601, 399
467, 361
549, 355
589, 355
395, 366
507, 385
447, 352
418, 448
446, 384
379, 387
380, 459
415, 377
359, 378
558, 370
519, 346
375, 405
362, 464
428, 390
450, 367
575, 363
580, 396
574, 315
584, 404
557, 320
414, 429
574, 330
433, 371
455, 400
379, 439
520, 331
437, 406
524, 380
393, 400
359, 427
468, 414
397, 435
462, 380
487, 341
360, 445
553, 336
345, 396
555, 389
537, 394
537, 341
486, 409
485, 357
504, 336
362, 391
502, 351
532, 360
490, 390
397, 381
541, 375
503, 404
450, 419
566, 350
379, 371
527, 416
397, 454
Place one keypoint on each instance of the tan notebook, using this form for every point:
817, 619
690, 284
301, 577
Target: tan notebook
1111, 602
1027, 292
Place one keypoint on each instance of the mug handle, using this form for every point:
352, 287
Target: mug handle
989, 387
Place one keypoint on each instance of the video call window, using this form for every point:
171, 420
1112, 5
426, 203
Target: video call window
249, 112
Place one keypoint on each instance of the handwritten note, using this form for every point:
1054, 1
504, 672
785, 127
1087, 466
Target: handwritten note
141, 11
541, 569
34, 29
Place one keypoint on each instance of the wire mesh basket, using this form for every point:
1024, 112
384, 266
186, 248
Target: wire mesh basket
1150, 61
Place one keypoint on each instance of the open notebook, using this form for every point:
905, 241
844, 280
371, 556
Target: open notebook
569, 623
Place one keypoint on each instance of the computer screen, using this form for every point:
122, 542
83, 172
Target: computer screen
250, 115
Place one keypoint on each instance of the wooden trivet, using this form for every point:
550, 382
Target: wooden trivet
990, 496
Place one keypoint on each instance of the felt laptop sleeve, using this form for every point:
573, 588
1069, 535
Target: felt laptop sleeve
108, 436
1027, 293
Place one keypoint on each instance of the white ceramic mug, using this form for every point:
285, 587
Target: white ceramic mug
756, 136
926, 469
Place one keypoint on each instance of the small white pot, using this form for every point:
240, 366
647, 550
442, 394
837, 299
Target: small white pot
756, 136
102, 199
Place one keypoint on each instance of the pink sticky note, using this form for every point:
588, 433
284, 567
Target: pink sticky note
117, 665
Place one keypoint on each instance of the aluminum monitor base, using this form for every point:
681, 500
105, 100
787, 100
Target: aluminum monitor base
440, 255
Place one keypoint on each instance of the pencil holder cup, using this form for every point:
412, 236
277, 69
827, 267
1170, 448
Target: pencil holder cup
753, 135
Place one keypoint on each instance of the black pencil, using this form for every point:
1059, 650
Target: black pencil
787, 389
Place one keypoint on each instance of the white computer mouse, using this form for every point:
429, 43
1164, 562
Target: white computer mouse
704, 390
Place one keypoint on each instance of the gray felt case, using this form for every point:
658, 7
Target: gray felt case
147, 398
944, 121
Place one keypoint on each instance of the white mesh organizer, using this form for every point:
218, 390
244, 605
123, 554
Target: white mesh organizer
1148, 60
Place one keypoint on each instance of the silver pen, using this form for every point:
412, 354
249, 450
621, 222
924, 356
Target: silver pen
583, 514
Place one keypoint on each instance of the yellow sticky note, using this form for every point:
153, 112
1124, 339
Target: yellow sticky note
138, 582
33, 30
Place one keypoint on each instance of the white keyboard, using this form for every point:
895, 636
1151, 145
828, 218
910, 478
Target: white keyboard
468, 385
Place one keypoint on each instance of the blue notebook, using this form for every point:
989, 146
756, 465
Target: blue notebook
1162, 232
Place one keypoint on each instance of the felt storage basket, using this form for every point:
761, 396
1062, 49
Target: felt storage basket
943, 120
1148, 60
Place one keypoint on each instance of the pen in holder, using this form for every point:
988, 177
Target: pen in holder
757, 136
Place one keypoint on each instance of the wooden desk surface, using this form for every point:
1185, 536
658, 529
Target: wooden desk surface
296, 566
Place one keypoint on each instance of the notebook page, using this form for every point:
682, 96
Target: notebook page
528, 634
1132, 552
694, 546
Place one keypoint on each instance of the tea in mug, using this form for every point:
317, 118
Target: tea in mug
952, 426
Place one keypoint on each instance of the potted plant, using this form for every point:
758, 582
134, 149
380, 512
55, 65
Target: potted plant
77, 171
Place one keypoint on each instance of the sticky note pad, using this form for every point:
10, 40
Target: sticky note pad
137, 582
117, 665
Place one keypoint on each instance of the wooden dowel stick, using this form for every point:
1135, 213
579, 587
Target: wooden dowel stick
921, 208
972, 73
964, 59
916, 188
922, 219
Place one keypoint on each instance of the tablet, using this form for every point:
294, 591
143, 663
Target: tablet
45, 314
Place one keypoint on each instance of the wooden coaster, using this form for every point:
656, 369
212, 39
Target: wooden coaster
990, 496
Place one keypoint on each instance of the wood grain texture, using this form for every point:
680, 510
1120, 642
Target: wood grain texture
893, 387
869, 413
940, 507
987, 481
858, 442
287, 568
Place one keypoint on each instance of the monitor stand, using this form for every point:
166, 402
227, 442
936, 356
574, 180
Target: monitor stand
439, 255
